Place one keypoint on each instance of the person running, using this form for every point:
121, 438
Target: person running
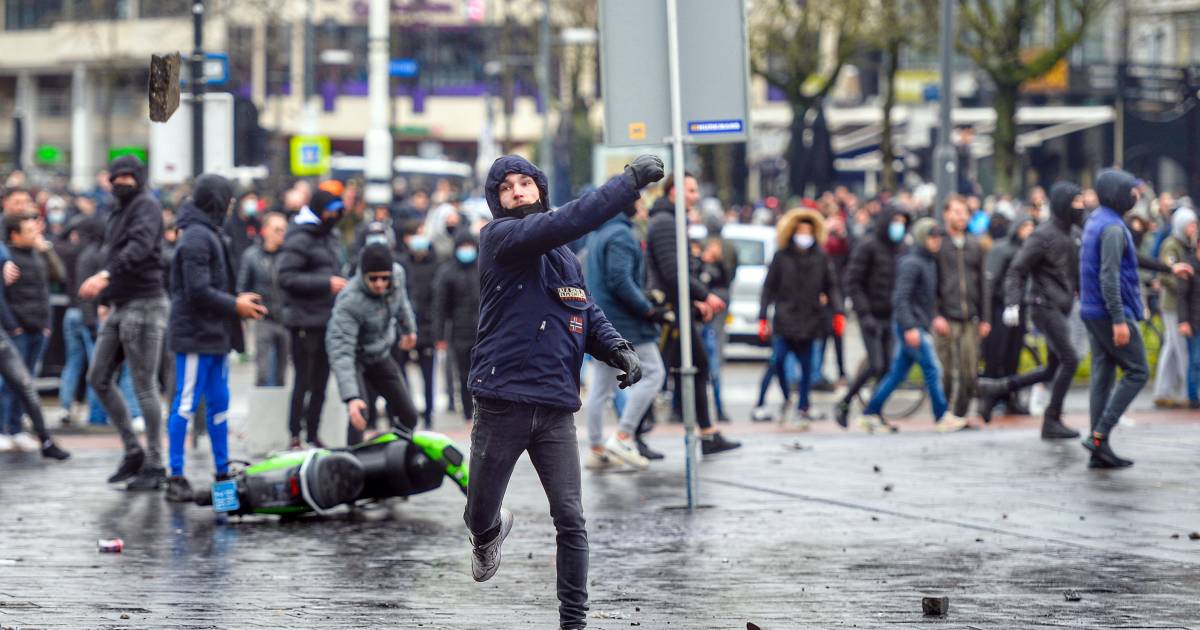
131, 284
1112, 300
205, 326
370, 318
915, 299
536, 321
799, 284
1048, 263
870, 282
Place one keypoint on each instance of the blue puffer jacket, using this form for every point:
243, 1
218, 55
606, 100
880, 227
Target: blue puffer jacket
536, 317
1113, 189
616, 273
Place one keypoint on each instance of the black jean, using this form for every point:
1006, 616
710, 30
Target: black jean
671, 353
1108, 399
425, 359
462, 360
17, 377
383, 378
877, 338
1061, 361
501, 432
311, 366
1002, 348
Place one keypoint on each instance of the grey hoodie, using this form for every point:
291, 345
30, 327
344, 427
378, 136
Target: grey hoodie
363, 328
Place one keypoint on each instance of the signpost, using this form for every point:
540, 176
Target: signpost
310, 155
697, 74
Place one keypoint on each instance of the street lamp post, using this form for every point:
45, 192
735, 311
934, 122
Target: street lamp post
943, 156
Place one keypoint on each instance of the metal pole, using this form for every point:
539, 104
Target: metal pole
309, 123
944, 156
543, 79
684, 307
198, 84
377, 144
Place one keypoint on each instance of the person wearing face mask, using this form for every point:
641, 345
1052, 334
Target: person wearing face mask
131, 284
870, 282
456, 311
257, 274
1112, 307
371, 317
536, 321
799, 284
310, 277
205, 326
243, 226
421, 265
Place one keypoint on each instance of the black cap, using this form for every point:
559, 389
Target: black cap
375, 258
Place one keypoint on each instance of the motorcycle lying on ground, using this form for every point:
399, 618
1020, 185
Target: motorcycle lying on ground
393, 464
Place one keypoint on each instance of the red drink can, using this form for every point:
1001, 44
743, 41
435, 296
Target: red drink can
111, 546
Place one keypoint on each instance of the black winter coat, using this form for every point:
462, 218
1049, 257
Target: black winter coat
256, 274
661, 270
422, 288
457, 303
29, 296
796, 280
1049, 259
916, 289
133, 237
1188, 294
871, 272
308, 260
204, 316
963, 293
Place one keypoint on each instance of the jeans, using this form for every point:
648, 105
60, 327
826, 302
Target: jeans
462, 361
1193, 375
29, 348
801, 348
1107, 401
78, 343
791, 367
197, 376
877, 339
17, 377
311, 366
96, 413
501, 432
132, 335
1061, 361
426, 360
271, 346
713, 340
1170, 382
602, 387
383, 378
924, 356
958, 354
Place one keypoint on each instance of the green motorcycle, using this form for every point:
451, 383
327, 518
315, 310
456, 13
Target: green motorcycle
394, 464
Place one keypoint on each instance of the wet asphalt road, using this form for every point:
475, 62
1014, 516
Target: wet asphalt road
997, 520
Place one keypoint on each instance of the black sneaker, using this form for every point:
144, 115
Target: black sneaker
50, 450
989, 391
1054, 429
841, 413
646, 451
130, 465
716, 443
148, 479
1102, 454
179, 490
316, 443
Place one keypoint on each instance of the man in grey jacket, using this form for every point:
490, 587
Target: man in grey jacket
257, 274
370, 316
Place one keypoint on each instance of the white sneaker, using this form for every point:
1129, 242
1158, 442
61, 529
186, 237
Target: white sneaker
485, 558
6, 443
25, 443
1127, 421
600, 462
786, 412
625, 451
1039, 399
761, 414
950, 424
138, 424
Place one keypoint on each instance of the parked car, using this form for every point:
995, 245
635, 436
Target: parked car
755, 245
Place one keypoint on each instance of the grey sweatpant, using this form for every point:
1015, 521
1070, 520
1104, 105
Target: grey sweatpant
602, 385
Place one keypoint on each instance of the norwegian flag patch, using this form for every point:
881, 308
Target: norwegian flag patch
576, 324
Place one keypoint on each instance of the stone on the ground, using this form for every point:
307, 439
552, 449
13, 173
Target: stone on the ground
935, 605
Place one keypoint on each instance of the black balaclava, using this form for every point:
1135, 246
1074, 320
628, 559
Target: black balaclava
127, 165
1062, 194
212, 195
323, 201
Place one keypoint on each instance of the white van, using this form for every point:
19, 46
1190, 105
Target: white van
755, 246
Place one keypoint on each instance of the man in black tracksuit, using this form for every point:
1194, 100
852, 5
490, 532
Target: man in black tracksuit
131, 284
310, 276
421, 265
870, 283
1049, 261
456, 316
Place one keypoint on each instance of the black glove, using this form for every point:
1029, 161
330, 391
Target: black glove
644, 170
625, 358
661, 315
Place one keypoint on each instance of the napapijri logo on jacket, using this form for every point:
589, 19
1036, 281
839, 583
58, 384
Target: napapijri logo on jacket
572, 294
576, 324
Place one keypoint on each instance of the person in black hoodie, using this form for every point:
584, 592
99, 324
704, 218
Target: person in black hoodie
456, 316
205, 325
1002, 348
420, 266
870, 281
131, 283
310, 275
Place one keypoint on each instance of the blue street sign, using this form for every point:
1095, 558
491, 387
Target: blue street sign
405, 68
216, 68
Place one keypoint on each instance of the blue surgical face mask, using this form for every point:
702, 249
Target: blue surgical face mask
804, 241
250, 207
466, 255
896, 231
419, 243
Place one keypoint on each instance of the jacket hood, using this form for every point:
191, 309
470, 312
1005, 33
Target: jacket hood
90, 229
1114, 189
128, 165
212, 195
1182, 218
191, 214
885, 218
464, 238
501, 168
791, 220
1062, 194
1016, 227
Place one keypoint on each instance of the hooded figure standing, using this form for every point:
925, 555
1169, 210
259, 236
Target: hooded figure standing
536, 321
310, 276
205, 325
1111, 301
1048, 262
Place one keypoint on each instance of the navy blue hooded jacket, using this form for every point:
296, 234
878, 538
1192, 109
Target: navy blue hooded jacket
1102, 296
616, 272
536, 317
